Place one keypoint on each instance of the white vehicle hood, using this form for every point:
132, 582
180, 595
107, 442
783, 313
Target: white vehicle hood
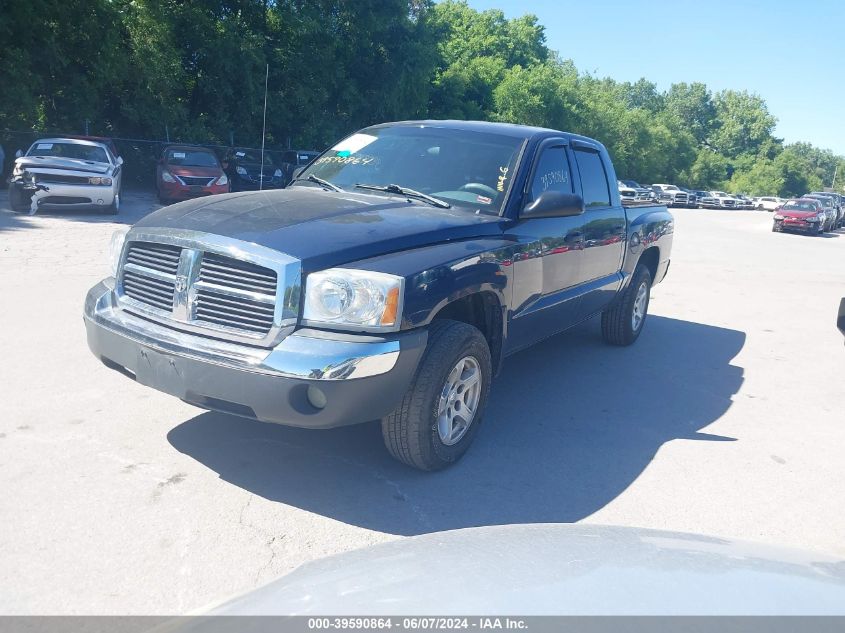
39, 163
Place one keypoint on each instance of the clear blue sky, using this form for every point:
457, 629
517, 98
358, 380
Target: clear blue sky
775, 48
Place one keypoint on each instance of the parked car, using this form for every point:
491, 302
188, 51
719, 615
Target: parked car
692, 199
720, 200
840, 320
187, 171
699, 197
384, 283
65, 173
552, 569
625, 192
768, 203
831, 212
643, 192
743, 201
670, 195
836, 201
806, 215
293, 160
243, 167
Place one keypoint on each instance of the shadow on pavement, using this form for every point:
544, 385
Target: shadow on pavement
570, 425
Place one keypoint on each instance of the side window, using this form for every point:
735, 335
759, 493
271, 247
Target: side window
593, 179
552, 172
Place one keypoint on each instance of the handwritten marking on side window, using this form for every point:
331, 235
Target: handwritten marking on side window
555, 177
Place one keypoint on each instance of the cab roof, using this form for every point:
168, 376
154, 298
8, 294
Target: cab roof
515, 130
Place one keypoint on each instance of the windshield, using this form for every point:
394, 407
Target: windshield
470, 170
250, 156
191, 158
631, 183
69, 150
824, 201
800, 205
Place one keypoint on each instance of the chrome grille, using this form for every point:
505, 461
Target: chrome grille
210, 285
163, 257
235, 293
154, 292
233, 273
142, 279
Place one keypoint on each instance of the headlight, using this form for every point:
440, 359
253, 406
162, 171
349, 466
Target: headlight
778, 217
353, 299
277, 173
241, 170
118, 239
223, 180
166, 176
95, 180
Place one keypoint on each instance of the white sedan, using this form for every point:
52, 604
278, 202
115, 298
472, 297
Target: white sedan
63, 173
768, 203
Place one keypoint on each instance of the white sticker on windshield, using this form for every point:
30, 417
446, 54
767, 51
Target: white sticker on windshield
178, 154
353, 144
240, 154
44, 146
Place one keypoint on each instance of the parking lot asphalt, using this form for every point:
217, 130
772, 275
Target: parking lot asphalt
727, 418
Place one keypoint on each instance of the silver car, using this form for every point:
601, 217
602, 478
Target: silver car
64, 173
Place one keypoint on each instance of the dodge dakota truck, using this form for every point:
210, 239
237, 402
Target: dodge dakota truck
388, 282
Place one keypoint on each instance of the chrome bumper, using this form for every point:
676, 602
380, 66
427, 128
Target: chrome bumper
362, 377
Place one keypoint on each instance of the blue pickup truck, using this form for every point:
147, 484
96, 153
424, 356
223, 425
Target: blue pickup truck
388, 281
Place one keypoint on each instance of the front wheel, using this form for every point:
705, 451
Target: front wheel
440, 413
622, 323
18, 200
114, 207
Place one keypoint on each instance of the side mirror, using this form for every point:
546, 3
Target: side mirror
19, 153
120, 160
840, 322
554, 204
225, 164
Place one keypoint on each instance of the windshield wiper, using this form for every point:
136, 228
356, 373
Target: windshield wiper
408, 193
323, 183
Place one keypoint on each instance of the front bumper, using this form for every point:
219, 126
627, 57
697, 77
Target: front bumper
69, 196
178, 191
361, 377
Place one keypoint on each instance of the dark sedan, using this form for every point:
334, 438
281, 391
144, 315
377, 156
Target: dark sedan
245, 171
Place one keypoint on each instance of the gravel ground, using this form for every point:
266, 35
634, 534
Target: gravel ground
726, 418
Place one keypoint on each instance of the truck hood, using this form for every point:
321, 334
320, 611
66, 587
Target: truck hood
324, 228
68, 164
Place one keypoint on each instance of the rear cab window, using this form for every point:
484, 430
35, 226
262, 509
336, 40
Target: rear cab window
594, 185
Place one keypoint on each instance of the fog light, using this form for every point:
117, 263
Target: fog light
316, 397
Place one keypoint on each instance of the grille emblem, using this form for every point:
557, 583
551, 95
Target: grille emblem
181, 283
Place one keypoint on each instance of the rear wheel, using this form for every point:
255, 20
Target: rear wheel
622, 323
440, 413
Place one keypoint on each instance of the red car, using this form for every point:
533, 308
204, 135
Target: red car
186, 172
802, 214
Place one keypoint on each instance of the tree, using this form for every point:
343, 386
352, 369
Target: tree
744, 123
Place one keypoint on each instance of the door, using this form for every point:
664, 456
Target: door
547, 261
604, 231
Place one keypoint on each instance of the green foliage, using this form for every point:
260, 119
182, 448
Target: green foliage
195, 70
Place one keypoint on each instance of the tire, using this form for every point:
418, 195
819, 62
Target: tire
18, 201
618, 323
411, 432
114, 207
